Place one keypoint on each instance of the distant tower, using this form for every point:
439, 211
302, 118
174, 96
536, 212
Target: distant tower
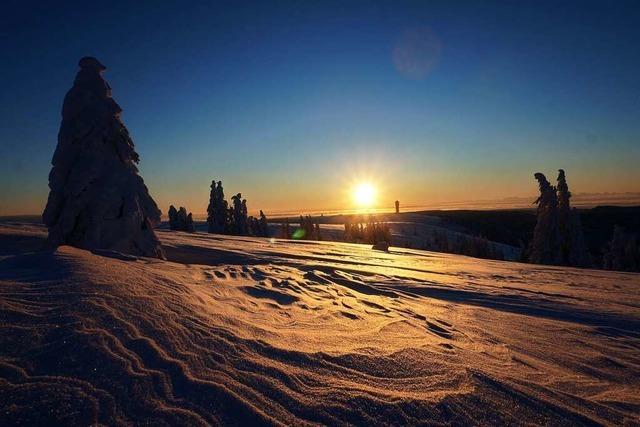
397, 206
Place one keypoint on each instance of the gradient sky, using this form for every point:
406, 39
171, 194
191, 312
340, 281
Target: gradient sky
291, 102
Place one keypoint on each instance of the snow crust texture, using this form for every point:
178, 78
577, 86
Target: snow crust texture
245, 331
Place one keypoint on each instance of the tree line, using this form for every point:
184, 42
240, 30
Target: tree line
222, 217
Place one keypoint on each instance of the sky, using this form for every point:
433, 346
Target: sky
294, 103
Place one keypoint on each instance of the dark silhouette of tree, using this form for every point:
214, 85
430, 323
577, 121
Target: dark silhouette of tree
173, 218
232, 219
564, 217
557, 237
189, 227
229, 224
217, 209
221, 211
239, 217
368, 231
245, 218
263, 225
545, 245
259, 227
572, 246
180, 220
97, 198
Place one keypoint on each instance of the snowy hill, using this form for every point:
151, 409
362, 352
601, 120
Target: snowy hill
237, 330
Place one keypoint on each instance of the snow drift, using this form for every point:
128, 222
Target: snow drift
236, 330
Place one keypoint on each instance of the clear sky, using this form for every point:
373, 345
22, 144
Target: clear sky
290, 103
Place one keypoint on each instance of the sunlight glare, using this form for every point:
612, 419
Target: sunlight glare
364, 195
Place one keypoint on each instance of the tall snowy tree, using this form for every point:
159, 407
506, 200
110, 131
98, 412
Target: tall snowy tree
545, 245
97, 199
573, 250
211, 209
245, 218
221, 212
564, 217
239, 217
217, 209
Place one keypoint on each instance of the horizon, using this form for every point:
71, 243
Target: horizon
579, 200
294, 104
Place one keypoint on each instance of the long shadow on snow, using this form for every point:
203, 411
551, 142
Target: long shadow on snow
520, 304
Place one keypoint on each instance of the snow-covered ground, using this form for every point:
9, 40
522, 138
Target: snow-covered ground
409, 230
240, 330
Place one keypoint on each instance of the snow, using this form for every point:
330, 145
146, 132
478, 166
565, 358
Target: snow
239, 330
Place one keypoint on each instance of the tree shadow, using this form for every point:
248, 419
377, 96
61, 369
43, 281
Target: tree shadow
609, 324
16, 244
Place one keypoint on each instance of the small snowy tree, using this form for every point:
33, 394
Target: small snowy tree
173, 218
182, 219
189, 227
263, 225
238, 220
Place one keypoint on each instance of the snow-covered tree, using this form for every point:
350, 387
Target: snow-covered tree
545, 245
189, 227
180, 220
264, 225
573, 250
239, 215
211, 209
98, 200
217, 211
173, 218
564, 217
245, 218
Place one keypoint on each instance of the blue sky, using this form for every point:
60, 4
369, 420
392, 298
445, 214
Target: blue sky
290, 103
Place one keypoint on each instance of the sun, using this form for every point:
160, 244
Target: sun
364, 195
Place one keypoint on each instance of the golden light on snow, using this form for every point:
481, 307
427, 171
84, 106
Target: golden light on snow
364, 195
